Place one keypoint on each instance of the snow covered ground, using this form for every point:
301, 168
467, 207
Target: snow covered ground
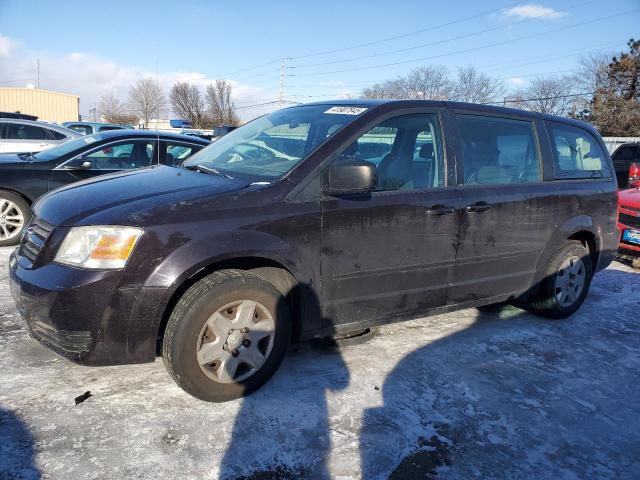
498, 394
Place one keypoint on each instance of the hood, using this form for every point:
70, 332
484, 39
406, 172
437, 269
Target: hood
630, 198
136, 189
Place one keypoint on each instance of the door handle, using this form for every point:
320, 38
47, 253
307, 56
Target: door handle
478, 207
440, 210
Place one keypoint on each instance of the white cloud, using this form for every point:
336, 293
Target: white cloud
6, 46
91, 77
532, 10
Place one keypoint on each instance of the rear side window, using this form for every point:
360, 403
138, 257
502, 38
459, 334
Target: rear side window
83, 129
624, 153
55, 135
17, 131
577, 153
498, 151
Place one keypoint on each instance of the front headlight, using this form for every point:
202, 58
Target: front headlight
98, 247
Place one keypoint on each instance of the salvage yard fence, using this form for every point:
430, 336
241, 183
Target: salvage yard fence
614, 142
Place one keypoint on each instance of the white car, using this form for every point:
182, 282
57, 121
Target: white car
27, 136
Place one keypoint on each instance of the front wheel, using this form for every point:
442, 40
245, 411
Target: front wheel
566, 283
14, 215
226, 336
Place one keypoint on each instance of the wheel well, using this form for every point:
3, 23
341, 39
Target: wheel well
273, 272
587, 239
14, 192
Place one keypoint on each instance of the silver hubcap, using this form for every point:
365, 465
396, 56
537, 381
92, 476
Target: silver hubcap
11, 219
570, 281
236, 341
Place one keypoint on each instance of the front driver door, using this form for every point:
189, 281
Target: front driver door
391, 253
107, 158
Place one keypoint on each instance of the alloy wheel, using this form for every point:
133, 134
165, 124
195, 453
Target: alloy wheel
11, 219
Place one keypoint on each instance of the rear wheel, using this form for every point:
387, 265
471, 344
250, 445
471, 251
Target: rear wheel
566, 283
15, 214
226, 336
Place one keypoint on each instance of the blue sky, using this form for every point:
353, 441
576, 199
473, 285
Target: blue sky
95, 48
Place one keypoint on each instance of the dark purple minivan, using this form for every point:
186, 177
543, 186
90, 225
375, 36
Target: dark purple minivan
320, 220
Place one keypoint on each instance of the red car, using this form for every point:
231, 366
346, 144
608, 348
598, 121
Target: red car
629, 222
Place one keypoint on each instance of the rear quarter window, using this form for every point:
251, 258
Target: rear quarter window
577, 153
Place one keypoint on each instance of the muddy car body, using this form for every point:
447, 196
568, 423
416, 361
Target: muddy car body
327, 219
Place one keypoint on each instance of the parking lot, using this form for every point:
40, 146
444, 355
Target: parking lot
492, 394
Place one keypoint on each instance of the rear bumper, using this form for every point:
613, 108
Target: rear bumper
86, 316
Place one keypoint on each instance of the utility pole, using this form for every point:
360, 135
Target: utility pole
282, 69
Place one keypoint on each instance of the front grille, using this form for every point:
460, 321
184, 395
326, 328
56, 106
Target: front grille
629, 220
34, 238
633, 209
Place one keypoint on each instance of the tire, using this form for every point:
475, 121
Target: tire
198, 324
550, 301
13, 208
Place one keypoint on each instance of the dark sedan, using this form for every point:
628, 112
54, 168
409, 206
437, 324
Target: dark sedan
25, 177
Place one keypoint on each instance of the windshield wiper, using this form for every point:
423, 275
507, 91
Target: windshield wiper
209, 170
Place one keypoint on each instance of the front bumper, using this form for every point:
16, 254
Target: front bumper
86, 316
627, 248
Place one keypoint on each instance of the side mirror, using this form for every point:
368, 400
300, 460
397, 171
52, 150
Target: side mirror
78, 164
354, 178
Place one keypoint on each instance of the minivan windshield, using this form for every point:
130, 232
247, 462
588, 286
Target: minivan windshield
270, 146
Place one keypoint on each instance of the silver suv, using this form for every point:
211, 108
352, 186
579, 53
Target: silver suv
27, 136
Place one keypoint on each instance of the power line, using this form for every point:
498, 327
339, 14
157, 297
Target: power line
396, 37
374, 42
248, 68
277, 70
543, 59
536, 74
362, 85
503, 42
439, 42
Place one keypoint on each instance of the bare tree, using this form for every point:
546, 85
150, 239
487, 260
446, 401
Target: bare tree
551, 95
113, 110
221, 108
396, 88
187, 102
475, 87
592, 73
430, 83
146, 100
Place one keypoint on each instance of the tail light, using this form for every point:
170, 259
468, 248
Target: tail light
634, 175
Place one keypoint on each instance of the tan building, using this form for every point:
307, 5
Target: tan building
46, 105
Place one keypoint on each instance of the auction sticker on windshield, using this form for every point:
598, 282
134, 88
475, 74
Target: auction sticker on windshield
346, 110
